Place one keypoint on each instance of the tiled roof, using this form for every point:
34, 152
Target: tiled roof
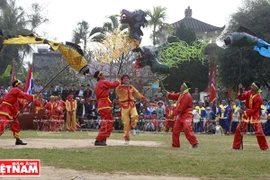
196, 25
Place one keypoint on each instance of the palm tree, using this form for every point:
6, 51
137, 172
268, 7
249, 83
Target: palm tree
112, 25
157, 18
13, 21
84, 32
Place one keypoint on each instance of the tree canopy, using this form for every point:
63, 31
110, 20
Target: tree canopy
14, 20
186, 55
255, 16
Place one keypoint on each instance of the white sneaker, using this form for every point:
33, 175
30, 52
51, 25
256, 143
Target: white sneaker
133, 132
126, 142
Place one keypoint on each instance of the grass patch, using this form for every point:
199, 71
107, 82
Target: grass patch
213, 160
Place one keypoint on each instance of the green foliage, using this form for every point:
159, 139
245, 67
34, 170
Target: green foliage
5, 77
16, 20
176, 53
254, 15
7, 71
193, 71
186, 57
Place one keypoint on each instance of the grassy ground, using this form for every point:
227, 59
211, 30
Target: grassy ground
213, 160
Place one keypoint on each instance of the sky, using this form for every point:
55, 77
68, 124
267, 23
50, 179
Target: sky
64, 15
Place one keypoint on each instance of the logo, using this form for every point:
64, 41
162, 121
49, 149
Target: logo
19, 167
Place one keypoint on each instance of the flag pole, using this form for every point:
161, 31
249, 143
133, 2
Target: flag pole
240, 99
21, 110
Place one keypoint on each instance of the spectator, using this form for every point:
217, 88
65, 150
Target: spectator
3, 91
80, 110
88, 92
149, 109
58, 89
37, 87
73, 90
223, 112
158, 95
65, 92
80, 92
196, 95
160, 110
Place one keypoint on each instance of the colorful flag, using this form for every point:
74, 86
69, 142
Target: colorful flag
155, 85
13, 72
29, 81
212, 90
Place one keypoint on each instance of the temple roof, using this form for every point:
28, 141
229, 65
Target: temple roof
196, 25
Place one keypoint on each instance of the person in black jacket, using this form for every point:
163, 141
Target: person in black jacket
88, 92
65, 92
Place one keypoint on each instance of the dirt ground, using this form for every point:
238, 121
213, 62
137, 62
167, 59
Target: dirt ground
51, 173
71, 143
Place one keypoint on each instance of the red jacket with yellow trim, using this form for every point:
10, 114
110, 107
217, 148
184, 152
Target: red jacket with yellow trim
9, 106
183, 107
102, 93
39, 104
126, 95
169, 112
253, 106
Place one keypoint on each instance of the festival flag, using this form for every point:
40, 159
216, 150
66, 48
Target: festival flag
29, 81
13, 72
155, 85
213, 90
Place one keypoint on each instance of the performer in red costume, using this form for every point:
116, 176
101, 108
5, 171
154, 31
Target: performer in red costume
39, 103
61, 112
250, 115
183, 113
50, 111
104, 107
9, 109
170, 119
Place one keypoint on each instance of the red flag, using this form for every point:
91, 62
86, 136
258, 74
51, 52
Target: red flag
29, 81
212, 90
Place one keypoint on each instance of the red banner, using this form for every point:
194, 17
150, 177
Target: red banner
212, 90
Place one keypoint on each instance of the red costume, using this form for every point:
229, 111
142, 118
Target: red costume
60, 107
183, 112
21, 104
104, 107
39, 104
9, 109
251, 115
170, 120
50, 112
